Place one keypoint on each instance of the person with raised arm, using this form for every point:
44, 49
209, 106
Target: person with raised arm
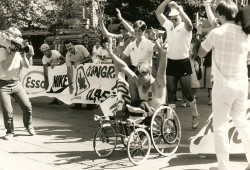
230, 47
152, 91
124, 37
179, 35
140, 50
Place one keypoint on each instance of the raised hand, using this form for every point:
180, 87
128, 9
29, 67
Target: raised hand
119, 15
99, 15
164, 48
207, 2
153, 33
173, 4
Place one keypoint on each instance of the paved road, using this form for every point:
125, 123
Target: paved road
65, 136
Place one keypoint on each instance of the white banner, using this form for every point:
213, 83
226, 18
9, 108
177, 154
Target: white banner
203, 142
93, 83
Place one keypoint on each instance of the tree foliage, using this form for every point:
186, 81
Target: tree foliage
133, 10
43, 14
25, 13
36, 14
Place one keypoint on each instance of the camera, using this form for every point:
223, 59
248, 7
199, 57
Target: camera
19, 47
6, 40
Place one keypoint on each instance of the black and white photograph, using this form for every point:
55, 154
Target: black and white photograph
124, 84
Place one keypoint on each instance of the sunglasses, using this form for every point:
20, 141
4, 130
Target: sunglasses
45, 51
174, 19
140, 74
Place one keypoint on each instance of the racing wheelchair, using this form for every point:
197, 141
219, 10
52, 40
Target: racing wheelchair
163, 131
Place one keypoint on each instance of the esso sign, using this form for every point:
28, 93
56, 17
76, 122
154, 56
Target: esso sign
33, 82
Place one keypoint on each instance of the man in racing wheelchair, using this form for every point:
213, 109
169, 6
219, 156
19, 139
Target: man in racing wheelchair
152, 91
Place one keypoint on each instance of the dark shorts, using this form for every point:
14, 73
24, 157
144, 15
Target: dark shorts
179, 67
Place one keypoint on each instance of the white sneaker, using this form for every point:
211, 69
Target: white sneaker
31, 131
8, 136
184, 105
195, 122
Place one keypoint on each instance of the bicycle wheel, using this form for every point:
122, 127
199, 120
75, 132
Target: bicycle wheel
139, 145
164, 118
105, 140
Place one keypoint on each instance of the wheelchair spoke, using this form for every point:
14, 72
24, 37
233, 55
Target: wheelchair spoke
139, 146
165, 131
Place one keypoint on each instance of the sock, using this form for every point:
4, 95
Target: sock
172, 106
193, 107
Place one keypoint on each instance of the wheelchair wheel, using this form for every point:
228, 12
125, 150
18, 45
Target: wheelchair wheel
105, 140
169, 131
165, 130
139, 145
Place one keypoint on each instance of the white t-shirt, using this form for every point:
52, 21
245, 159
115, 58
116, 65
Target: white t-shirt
141, 53
80, 54
55, 55
14, 70
178, 39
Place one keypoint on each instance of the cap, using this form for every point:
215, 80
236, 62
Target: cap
44, 47
173, 12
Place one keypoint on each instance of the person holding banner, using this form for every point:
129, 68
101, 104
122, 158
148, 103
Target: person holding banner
179, 35
77, 54
230, 47
152, 91
11, 63
51, 58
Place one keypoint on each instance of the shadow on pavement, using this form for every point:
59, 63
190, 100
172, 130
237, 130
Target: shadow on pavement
191, 159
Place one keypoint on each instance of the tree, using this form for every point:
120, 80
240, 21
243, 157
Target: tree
37, 14
25, 13
133, 10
